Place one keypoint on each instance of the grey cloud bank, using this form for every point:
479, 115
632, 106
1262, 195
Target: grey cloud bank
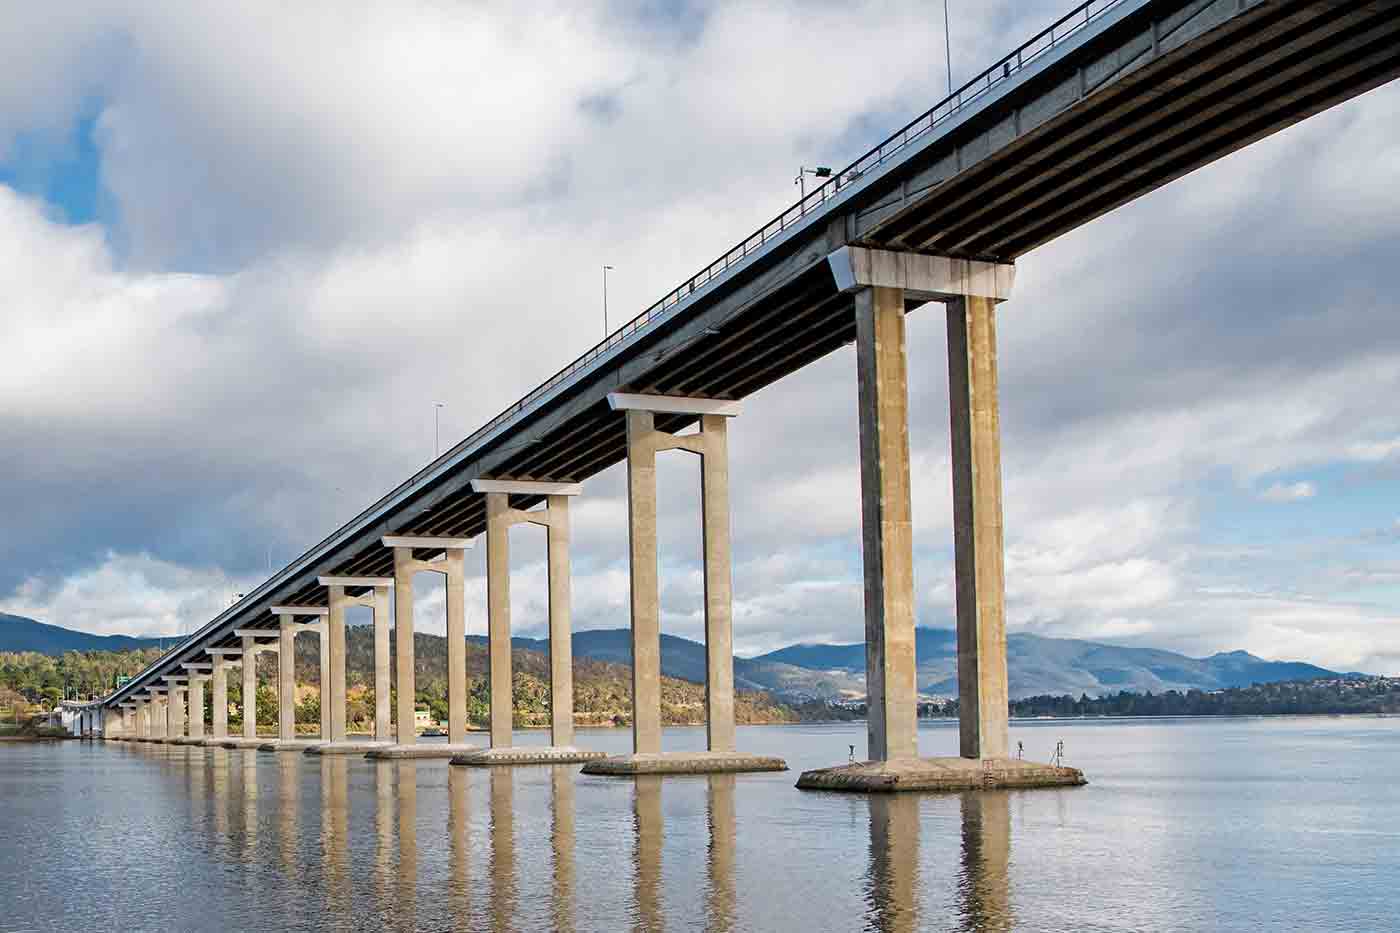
323, 223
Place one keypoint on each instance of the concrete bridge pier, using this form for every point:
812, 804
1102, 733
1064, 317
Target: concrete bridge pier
884, 285
196, 695
644, 442
554, 518
174, 709
288, 629
221, 660
339, 599
254, 642
449, 563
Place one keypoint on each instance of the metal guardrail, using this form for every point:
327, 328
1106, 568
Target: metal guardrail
1061, 30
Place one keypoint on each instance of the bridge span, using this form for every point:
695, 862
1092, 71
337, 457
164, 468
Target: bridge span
1116, 99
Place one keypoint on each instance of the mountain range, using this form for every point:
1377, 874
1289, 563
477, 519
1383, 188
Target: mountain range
1037, 664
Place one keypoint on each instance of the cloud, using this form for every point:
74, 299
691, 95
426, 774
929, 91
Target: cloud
1289, 492
319, 224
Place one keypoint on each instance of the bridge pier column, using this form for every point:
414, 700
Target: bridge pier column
219, 698
977, 527
326, 700
196, 695
339, 601
250, 688
450, 564
554, 517
884, 285
286, 681
710, 443
175, 712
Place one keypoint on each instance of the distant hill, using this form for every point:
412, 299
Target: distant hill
1039, 665
20, 634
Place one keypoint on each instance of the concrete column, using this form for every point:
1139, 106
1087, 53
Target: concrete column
333, 694
453, 560
383, 730
977, 527
403, 637
325, 698
887, 527
160, 717
176, 712
286, 680
719, 587
196, 707
646, 612
561, 651
498, 616
250, 688
139, 719
219, 698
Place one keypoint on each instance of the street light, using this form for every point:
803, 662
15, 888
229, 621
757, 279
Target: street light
821, 171
606, 270
437, 444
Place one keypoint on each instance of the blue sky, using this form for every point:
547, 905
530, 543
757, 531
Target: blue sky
247, 247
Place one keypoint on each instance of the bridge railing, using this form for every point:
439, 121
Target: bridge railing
1058, 32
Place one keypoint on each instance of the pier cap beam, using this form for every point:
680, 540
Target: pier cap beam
419, 542
674, 404
921, 276
526, 487
300, 611
355, 581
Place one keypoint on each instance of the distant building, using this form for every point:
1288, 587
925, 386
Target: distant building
423, 718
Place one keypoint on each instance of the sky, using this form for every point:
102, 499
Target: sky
244, 249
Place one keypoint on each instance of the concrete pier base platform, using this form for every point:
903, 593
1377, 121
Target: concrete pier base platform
184, 740
684, 763
528, 755
425, 750
939, 774
242, 743
347, 748
290, 745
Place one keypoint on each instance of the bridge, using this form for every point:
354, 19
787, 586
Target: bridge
1114, 100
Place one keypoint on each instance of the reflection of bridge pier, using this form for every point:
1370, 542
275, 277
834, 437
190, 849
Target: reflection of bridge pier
459, 891
407, 790
335, 834
892, 890
503, 884
720, 909
646, 853
563, 842
985, 883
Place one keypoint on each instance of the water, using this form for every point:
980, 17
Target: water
1187, 825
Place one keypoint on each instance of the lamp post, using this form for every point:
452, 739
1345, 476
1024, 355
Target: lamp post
606, 270
821, 171
437, 443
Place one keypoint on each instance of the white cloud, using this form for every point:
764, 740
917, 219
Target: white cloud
1289, 492
410, 203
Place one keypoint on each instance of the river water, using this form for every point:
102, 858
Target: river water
1239, 824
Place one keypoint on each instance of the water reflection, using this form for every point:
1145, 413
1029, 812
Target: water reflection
459, 892
503, 888
892, 882
646, 853
407, 789
248, 788
984, 886
335, 835
562, 838
383, 829
720, 809
288, 787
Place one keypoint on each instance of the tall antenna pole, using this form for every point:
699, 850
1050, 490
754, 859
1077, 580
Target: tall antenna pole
948, 48
605, 301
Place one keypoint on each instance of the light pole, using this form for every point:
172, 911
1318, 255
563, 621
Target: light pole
606, 270
437, 443
821, 171
948, 48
